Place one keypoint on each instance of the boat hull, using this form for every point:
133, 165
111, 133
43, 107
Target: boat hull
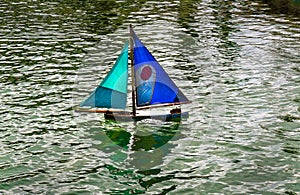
176, 117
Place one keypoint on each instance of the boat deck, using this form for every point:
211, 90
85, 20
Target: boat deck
176, 117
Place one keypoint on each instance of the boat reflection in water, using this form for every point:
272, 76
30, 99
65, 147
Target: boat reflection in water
138, 151
147, 144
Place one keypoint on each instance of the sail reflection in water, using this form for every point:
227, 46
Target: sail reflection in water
140, 147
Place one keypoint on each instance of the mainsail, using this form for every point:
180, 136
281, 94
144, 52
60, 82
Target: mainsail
112, 91
153, 85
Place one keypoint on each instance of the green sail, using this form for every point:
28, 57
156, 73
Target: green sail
112, 91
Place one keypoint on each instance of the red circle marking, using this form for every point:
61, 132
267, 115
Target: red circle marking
146, 73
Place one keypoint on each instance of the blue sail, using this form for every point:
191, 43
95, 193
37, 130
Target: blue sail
112, 91
153, 85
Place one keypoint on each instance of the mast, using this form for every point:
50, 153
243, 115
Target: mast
132, 72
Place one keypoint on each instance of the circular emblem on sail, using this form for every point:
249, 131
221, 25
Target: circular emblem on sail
145, 82
146, 72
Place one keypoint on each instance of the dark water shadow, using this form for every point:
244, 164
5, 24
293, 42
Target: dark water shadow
289, 7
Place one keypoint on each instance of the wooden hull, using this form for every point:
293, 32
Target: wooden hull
176, 117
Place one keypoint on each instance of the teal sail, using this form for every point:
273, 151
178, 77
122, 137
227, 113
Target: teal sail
153, 85
112, 91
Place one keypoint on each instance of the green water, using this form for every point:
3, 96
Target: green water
238, 61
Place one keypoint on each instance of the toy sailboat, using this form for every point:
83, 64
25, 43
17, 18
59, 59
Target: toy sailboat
151, 87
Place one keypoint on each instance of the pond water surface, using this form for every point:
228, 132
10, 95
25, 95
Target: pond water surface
238, 61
